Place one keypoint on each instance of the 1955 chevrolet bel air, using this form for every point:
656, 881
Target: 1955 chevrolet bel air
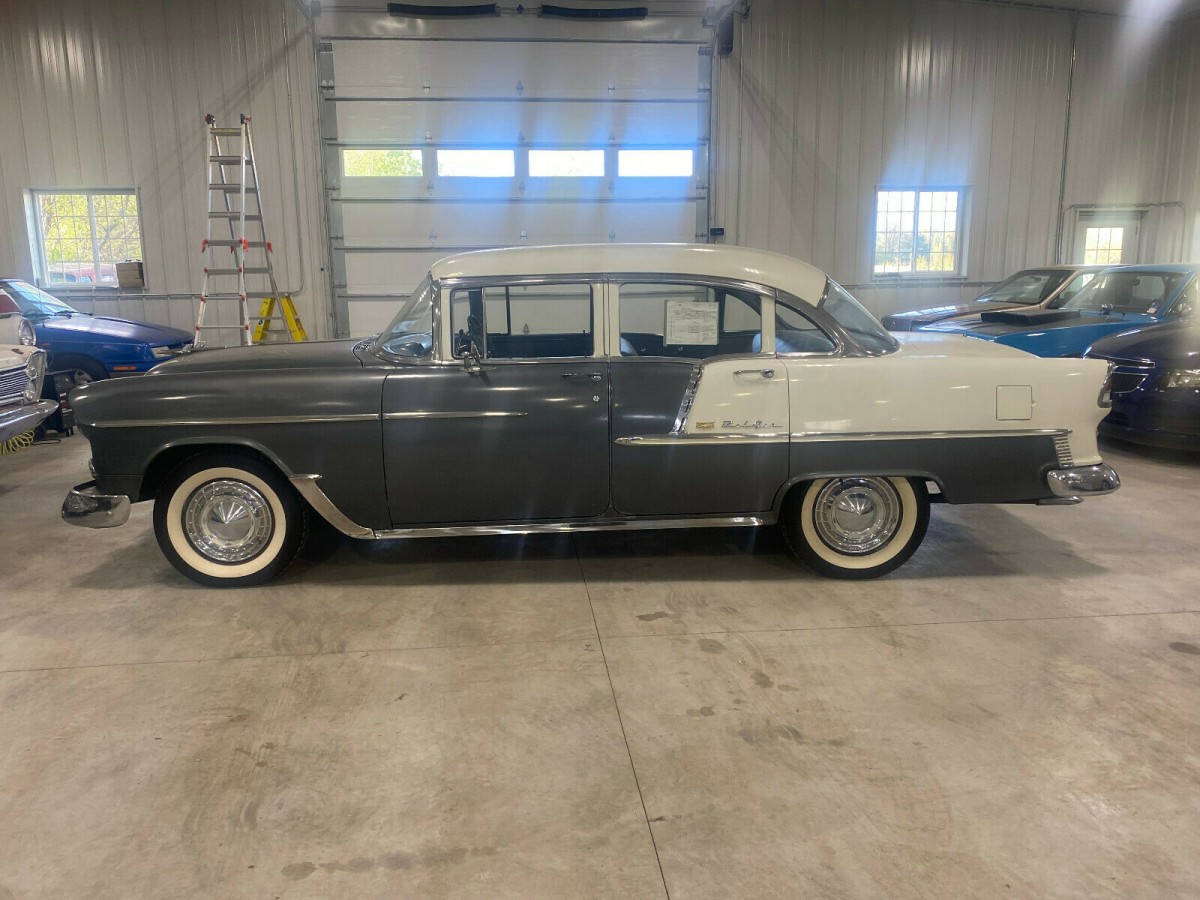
575, 388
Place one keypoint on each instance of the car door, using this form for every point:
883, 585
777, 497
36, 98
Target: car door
699, 412
519, 433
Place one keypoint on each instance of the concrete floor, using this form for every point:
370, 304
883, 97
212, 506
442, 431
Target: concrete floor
1013, 714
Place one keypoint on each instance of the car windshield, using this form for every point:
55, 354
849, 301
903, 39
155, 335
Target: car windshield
1027, 288
1127, 292
410, 334
37, 303
850, 314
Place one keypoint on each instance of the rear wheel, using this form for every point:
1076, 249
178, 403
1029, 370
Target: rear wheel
226, 520
860, 526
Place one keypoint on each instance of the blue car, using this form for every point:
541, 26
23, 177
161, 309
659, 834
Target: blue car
1155, 384
1116, 300
91, 347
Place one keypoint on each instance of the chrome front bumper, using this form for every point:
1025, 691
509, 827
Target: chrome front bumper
24, 418
1083, 481
85, 507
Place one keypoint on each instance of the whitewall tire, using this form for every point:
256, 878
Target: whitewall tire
226, 520
859, 526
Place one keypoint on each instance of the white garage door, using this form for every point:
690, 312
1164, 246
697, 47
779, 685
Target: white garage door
449, 135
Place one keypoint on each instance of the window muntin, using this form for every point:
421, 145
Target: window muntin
37, 304
529, 321
566, 163
82, 235
476, 163
917, 232
410, 334
1127, 292
690, 321
850, 314
1102, 246
379, 162
1027, 288
655, 163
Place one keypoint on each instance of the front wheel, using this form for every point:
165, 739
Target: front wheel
226, 520
860, 526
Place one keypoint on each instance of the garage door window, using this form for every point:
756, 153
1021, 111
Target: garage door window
542, 321
375, 162
82, 235
688, 320
566, 163
654, 163
476, 163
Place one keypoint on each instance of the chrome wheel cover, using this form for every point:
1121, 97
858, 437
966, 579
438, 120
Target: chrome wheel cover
228, 521
857, 515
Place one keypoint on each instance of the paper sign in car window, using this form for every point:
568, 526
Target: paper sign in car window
691, 322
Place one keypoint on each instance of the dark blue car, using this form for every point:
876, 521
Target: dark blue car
1155, 384
1116, 300
93, 347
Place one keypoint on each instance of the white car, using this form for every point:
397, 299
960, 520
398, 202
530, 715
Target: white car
588, 388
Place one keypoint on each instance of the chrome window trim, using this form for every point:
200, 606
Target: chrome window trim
824, 322
848, 338
593, 282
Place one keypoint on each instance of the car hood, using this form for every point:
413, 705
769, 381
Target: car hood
109, 330
307, 355
918, 318
977, 327
1171, 343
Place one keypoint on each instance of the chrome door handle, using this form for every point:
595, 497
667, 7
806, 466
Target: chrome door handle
595, 376
765, 373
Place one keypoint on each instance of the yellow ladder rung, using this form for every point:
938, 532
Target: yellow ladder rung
291, 319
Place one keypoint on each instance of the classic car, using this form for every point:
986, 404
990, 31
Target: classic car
93, 347
22, 368
1115, 300
557, 389
1027, 289
1155, 384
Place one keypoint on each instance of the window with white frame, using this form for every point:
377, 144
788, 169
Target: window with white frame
1102, 246
82, 235
918, 232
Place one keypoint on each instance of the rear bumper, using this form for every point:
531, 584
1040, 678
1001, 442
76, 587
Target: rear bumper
83, 506
1083, 481
20, 419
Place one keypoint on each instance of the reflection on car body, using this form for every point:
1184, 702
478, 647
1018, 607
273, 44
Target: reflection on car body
576, 388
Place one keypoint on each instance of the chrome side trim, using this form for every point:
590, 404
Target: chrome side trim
570, 527
692, 440
237, 420
1097, 479
689, 397
431, 414
923, 435
83, 506
308, 488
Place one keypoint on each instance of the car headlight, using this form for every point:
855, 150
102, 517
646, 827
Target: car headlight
1183, 378
25, 334
34, 369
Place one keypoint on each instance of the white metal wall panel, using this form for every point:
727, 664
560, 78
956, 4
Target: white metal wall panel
823, 102
112, 94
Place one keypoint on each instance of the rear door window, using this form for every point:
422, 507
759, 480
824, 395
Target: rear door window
689, 321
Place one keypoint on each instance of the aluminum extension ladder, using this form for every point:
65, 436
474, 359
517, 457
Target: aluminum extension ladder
230, 172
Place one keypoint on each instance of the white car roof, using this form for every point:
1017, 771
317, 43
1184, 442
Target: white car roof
711, 260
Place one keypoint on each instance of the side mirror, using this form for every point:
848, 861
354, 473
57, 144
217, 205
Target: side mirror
1184, 309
